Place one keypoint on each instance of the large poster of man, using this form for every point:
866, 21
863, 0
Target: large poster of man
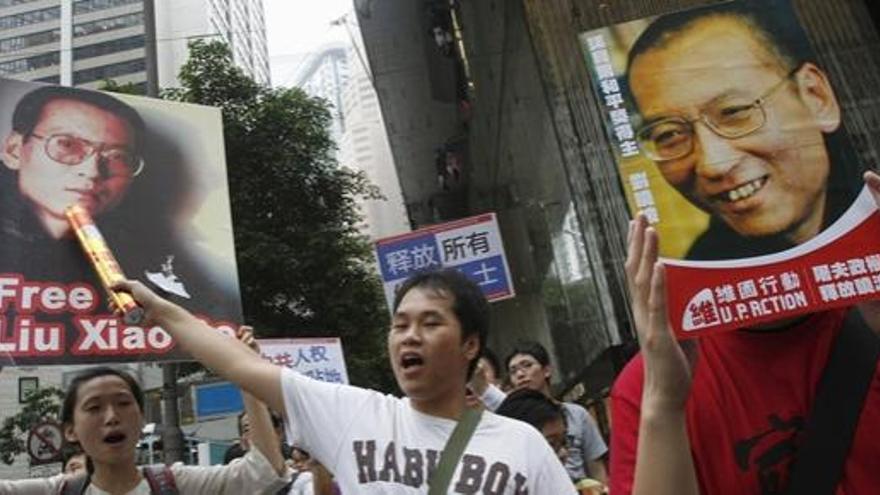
152, 175
729, 138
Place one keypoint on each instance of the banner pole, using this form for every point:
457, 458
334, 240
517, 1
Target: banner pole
172, 436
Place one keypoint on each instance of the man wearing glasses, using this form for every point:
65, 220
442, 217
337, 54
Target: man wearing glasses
745, 126
69, 146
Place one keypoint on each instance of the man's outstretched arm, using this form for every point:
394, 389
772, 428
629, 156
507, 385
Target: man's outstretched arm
225, 356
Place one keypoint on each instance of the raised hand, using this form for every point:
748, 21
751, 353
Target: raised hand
157, 308
668, 364
245, 335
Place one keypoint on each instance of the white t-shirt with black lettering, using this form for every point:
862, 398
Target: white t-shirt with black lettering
376, 443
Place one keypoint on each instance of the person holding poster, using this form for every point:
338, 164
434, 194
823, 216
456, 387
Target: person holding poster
377, 443
745, 127
725, 413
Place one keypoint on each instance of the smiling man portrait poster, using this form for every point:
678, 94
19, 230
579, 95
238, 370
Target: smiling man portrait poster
152, 175
729, 137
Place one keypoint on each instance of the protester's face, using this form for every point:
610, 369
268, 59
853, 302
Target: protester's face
244, 425
75, 465
97, 183
107, 420
772, 181
526, 372
555, 433
428, 355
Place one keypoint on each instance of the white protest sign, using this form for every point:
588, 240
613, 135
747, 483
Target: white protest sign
319, 358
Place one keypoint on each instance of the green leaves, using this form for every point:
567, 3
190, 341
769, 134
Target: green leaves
41, 405
304, 268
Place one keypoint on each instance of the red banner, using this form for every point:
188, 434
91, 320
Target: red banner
839, 267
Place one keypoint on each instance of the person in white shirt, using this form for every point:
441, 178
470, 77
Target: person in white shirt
380, 444
103, 412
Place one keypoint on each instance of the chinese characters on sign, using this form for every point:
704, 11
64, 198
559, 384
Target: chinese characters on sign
642, 196
850, 278
745, 299
472, 245
319, 358
609, 88
839, 274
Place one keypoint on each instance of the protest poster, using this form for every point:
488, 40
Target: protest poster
729, 139
471, 245
318, 358
152, 174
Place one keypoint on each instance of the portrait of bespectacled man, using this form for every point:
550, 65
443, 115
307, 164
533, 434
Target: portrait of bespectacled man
125, 164
740, 118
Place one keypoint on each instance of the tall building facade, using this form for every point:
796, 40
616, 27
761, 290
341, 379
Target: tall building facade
240, 23
104, 39
325, 74
335, 74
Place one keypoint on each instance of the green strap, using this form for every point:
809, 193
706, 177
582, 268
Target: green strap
439, 481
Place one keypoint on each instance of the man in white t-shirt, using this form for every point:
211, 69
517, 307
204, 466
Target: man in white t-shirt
528, 366
375, 443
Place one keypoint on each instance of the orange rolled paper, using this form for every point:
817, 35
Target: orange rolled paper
102, 259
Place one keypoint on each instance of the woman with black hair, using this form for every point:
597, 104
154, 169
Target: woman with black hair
103, 414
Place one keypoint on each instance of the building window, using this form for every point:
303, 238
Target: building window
27, 385
108, 47
29, 63
109, 24
109, 71
28, 18
49, 79
10, 3
86, 6
21, 42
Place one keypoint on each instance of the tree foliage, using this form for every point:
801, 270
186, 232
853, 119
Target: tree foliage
304, 268
40, 406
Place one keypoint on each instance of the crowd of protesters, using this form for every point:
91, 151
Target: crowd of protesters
725, 415
351, 440
345, 439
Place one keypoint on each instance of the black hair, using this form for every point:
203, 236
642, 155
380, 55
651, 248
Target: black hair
68, 405
773, 24
277, 422
468, 302
530, 348
68, 452
532, 407
29, 110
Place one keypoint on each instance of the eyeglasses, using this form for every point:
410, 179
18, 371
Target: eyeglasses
523, 365
71, 150
671, 138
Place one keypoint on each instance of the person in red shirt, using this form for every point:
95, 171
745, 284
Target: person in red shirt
725, 414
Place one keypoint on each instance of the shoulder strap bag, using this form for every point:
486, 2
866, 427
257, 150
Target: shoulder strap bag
441, 477
840, 395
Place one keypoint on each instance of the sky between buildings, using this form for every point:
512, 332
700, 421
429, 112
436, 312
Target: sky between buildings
296, 27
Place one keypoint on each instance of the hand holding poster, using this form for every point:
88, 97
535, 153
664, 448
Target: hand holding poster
152, 175
729, 139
